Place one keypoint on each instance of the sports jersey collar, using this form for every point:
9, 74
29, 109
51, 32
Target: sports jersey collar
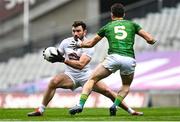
117, 19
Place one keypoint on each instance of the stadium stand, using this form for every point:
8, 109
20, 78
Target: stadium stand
165, 31
28, 68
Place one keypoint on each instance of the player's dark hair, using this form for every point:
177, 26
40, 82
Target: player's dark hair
79, 23
117, 10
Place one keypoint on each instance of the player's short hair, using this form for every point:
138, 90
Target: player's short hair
79, 23
117, 10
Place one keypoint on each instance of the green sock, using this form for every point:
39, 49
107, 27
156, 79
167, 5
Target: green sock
118, 100
83, 99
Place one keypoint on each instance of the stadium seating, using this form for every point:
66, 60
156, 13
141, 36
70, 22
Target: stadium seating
165, 31
28, 68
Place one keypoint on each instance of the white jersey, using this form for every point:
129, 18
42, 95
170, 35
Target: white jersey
74, 54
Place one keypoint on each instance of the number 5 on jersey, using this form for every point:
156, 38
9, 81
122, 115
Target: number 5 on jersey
120, 32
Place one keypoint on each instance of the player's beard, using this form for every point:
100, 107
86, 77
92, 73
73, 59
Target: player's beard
76, 38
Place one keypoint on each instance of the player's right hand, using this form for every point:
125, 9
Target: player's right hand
56, 58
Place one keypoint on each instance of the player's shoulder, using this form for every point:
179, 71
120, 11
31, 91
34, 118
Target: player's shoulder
115, 22
66, 40
108, 24
131, 21
127, 21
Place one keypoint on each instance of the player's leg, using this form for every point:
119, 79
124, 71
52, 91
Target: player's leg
59, 81
122, 93
126, 82
99, 73
127, 67
102, 88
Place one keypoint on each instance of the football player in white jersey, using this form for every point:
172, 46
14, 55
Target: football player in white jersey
77, 70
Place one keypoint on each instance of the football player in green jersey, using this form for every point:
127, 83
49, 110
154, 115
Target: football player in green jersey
120, 34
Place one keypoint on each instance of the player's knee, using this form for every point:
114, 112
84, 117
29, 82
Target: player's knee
53, 83
94, 79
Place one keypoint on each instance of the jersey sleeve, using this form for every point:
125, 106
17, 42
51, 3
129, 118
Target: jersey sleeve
101, 31
137, 27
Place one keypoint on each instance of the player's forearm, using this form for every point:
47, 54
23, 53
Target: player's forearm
75, 64
148, 37
87, 44
91, 42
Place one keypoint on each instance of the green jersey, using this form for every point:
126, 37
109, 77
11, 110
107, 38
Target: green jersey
120, 35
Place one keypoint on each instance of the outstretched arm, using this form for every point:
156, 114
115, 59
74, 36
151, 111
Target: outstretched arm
91, 42
148, 37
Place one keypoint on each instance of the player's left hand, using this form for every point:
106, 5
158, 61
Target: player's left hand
56, 58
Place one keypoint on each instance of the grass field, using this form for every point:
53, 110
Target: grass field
92, 114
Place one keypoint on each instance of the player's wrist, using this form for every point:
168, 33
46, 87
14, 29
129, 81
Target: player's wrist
151, 41
61, 59
154, 41
79, 44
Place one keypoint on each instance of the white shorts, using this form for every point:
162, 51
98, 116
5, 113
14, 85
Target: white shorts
79, 79
115, 62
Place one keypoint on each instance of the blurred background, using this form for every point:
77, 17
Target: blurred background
28, 26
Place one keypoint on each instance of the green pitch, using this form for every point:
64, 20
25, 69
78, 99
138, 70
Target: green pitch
91, 114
